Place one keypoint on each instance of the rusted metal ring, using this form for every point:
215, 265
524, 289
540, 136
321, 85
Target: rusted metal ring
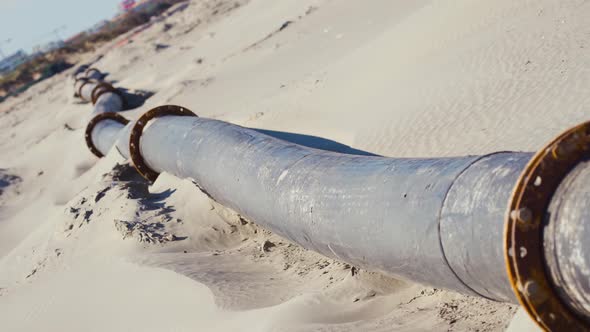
89, 70
135, 136
85, 81
103, 87
90, 127
76, 92
523, 233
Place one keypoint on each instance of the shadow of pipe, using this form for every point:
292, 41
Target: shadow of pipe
135, 98
314, 142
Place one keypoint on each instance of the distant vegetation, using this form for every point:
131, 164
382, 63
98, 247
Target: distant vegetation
50, 63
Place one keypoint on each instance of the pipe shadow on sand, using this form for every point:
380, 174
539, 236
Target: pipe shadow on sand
315, 142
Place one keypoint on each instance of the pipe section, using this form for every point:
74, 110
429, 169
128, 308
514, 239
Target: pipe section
438, 221
107, 102
442, 222
105, 124
374, 212
86, 88
388, 210
103, 95
105, 134
471, 222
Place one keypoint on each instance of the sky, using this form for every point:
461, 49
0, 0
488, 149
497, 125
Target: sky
31, 22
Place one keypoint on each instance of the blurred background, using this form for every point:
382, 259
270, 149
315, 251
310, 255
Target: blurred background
41, 38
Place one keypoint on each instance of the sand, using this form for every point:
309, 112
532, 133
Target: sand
87, 245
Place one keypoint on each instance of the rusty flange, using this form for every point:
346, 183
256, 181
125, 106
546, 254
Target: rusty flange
99, 89
135, 136
90, 70
104, 87
83, 79
98, 118
523, 233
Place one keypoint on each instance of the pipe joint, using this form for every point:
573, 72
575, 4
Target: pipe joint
135, 136
78, 84
102, 88
527, 265
95, 121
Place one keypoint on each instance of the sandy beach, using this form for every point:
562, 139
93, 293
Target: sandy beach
87, 245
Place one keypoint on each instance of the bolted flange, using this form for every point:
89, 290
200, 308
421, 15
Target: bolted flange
104, 87
135, 136
523, 233
98, 118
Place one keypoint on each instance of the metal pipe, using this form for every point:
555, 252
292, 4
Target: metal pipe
472, 219
105, 135
103, 95
84, 75
102, 131
374, 212
86, 89
108, 102
438, 221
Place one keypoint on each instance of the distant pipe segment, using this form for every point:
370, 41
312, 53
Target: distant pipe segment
79, 84
103, 95
80, 71
443, 222
93, 73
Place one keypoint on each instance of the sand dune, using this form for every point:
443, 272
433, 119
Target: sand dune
86, 244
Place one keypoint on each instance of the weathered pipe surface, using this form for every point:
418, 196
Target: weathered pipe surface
439, 222
434, 221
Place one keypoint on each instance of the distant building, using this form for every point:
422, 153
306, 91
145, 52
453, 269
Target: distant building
10, 62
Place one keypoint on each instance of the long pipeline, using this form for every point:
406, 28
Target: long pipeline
456, 223
107, 100
90, 87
